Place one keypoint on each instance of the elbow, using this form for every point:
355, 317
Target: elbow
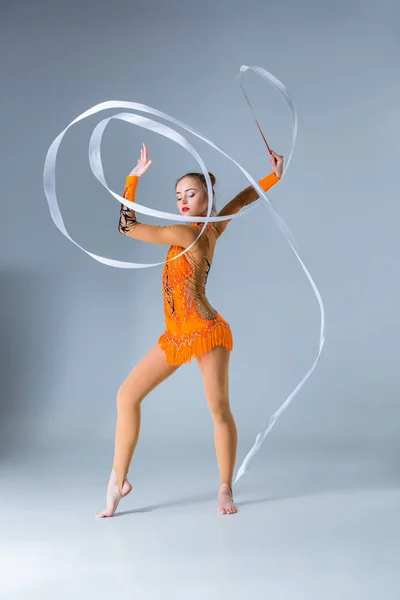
123, 229
128, 230
127, 224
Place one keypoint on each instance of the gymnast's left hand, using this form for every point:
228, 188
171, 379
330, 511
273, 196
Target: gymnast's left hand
276, 161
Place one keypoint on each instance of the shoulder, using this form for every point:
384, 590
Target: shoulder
210, 230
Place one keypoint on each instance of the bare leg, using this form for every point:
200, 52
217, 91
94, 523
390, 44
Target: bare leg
214, 366
150, 371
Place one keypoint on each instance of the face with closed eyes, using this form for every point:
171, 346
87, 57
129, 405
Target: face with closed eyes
191, 198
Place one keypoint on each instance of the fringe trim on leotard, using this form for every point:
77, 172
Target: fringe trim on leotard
181, 349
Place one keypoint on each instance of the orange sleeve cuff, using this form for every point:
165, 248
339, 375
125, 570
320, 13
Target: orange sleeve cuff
130, 187
131, 179
267, 182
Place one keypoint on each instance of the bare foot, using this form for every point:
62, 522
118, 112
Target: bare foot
226, 505
113, 496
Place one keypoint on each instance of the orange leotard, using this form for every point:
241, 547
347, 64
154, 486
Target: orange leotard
193, 326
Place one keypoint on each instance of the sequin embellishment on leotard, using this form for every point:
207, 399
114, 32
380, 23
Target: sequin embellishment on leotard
193, 327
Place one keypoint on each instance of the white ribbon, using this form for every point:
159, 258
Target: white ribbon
97, 168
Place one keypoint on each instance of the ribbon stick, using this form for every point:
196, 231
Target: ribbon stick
258, 125
95, 161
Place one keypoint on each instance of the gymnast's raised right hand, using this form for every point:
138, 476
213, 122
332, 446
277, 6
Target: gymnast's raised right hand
143, 162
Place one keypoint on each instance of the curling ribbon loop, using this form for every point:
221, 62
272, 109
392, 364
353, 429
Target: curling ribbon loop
152, 125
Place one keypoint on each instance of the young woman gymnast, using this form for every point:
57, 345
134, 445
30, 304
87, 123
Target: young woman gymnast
194, 329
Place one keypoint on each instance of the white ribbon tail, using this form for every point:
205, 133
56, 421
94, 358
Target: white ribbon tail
272, 420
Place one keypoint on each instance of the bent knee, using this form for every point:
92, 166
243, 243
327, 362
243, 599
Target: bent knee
127, 397
220, 409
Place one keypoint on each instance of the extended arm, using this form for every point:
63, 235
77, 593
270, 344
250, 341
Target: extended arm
179, 235
245, 197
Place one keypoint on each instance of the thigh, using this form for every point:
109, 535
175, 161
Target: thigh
148, 373
214, 367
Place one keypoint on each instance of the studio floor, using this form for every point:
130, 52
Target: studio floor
302, 532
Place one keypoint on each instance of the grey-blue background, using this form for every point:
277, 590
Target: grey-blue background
72, 328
